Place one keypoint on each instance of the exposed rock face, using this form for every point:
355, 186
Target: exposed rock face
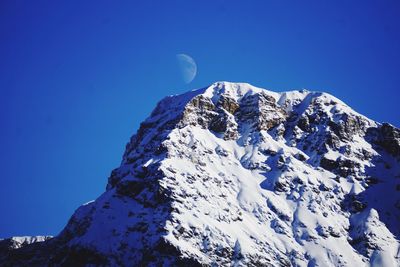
233, 175
388, 137
228, 103
261, 110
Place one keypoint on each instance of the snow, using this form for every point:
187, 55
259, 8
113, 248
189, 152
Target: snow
273, 218
261, 197
20, 241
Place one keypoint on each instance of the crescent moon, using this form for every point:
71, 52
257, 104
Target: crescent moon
187, 67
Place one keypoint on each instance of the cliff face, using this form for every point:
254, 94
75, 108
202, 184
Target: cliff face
237, 175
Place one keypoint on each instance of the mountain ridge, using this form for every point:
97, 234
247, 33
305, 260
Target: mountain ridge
232, 174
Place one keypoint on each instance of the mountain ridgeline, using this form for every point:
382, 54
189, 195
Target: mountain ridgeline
234, 175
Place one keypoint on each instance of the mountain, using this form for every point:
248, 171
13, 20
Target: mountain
234, 175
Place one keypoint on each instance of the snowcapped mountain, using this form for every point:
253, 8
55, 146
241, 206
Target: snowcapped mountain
234, 175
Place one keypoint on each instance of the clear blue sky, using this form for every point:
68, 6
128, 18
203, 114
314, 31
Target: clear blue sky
77, 78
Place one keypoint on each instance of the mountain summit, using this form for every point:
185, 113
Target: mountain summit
234, 175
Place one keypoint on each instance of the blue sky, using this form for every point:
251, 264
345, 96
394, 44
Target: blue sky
77, 78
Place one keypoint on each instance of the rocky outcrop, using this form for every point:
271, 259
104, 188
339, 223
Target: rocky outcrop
261, 110
348, 126
341, 166
388, 137
228, 103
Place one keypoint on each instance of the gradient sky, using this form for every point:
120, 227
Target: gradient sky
77, 78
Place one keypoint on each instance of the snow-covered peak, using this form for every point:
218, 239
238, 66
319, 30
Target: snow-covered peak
234, 90
300, 99
235, 175
16, 242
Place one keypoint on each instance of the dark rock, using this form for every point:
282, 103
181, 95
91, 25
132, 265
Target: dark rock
223, 123
389, 139
220, 151
228, 104
348, 167
300, 157
199, 111
163, 195
328, 164
322, 231
333, 232
162, 148
340, 166
268, 152
203, 103
281, 186
261, 109
297, 180
323, 187
130, 188
366, 155
332, 141
304, 124
348, 126
358, 206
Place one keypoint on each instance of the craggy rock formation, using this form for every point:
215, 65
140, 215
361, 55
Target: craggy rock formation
234, 175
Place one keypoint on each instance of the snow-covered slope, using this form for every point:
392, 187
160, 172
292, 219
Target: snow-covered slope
21, 241
234, 175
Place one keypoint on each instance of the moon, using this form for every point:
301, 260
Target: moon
187, 67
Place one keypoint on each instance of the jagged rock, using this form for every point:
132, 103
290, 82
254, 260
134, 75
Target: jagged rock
389, 139
262, 110
329, 164
333, 141
224, 123
300, 157
343, 167
304, 124
228, 103
202, 103
348, 126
